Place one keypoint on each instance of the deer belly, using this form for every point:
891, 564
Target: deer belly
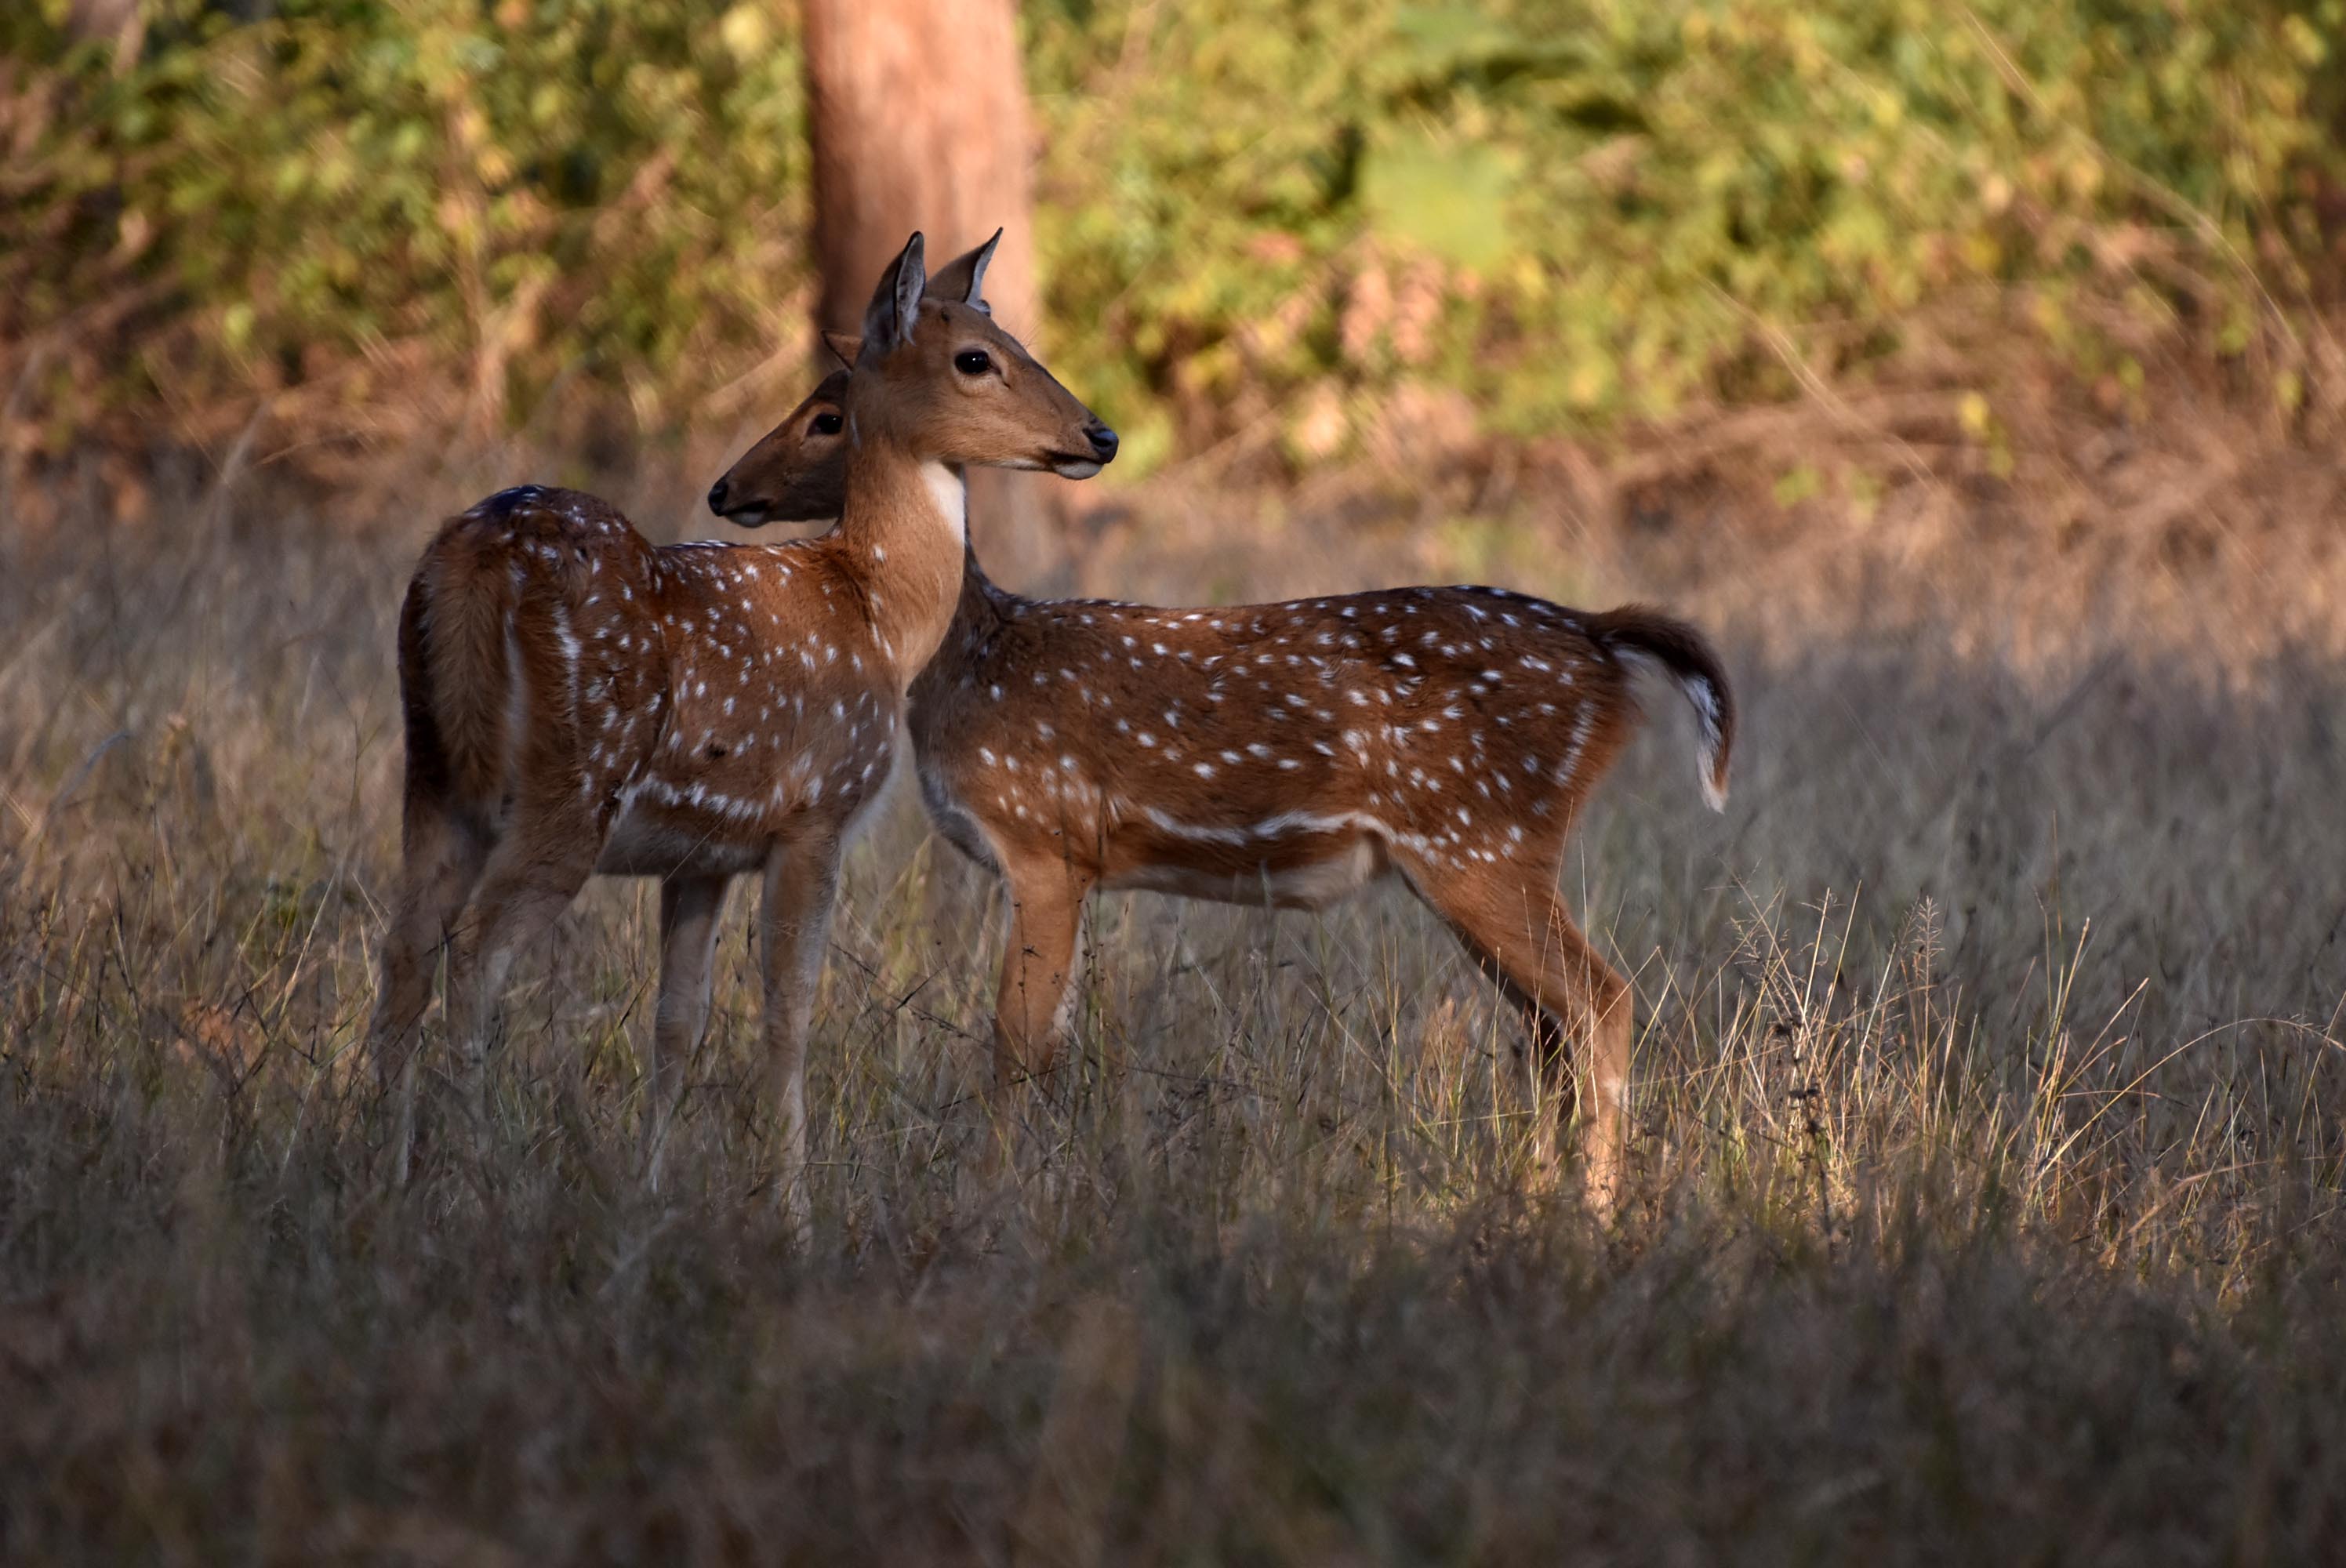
655, 839
1298, 878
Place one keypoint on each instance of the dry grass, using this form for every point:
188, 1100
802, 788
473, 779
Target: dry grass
1990, 1095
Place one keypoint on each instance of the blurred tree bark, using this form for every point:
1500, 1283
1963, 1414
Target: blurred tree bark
917, 113
122, 22
100, 18
917, 109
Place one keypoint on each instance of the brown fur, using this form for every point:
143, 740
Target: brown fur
580, 700
1285, 754
463, 602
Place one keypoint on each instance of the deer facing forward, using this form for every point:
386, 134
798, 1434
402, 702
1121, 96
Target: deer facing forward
1289, 753
577, 700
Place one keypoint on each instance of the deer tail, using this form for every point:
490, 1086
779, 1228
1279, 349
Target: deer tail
455, 664
1685, 656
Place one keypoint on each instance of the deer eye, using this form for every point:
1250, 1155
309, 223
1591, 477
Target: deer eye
824, 424
971, 362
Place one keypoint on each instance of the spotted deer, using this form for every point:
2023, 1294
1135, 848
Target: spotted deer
1285, 753
578, 700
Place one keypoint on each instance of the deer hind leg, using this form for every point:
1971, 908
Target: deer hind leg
1519, 932
1046, 902
531, 878
689, 908
801, 890
440, 860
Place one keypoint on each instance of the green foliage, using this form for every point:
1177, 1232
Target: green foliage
1581, 210
520, 193
1576, 212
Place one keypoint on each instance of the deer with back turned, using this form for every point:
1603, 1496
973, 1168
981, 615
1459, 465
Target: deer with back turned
578, 700
1287, 753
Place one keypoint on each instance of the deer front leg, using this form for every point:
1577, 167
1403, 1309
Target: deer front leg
801, 887
689, 908
1046, 902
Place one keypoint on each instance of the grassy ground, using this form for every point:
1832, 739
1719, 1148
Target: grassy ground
1991, 1107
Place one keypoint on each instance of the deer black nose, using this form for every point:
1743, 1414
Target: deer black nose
717, 498
1103, 441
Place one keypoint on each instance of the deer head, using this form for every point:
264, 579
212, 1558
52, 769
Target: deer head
797, 473
938, 379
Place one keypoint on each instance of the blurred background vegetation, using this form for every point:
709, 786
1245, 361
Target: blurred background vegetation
362, 220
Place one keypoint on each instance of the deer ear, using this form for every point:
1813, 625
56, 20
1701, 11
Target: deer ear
845, 347
888, 320
964, 277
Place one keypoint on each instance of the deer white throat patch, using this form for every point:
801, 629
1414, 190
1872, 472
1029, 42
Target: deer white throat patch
950, 496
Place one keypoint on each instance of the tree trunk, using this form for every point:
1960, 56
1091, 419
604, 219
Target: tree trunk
917, 113
122, 22
917, 110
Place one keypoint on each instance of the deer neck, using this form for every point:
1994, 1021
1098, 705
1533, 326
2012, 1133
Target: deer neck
904, 532
982, 605
979, 617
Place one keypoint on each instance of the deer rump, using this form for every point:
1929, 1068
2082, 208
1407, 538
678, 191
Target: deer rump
556, 665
